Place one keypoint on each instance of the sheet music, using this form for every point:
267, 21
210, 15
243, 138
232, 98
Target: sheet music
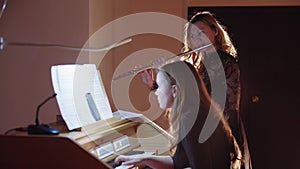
71, 83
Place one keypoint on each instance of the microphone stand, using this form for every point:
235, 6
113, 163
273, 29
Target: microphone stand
38, 128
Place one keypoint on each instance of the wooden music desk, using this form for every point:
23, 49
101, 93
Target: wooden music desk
91, 147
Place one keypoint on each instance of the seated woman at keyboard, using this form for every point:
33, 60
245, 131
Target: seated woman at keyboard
179, 88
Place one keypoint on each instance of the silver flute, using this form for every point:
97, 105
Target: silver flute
151, 65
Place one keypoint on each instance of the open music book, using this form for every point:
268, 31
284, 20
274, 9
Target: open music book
81, 96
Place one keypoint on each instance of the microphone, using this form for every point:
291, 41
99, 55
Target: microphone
38, 128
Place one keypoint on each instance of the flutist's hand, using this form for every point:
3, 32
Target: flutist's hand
147, 77
148, 74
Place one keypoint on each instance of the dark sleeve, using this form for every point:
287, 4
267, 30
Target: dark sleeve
180, 159
232, 73
211, 154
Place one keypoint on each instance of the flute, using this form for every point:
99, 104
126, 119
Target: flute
136, 70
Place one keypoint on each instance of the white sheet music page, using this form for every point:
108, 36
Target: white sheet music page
80, 94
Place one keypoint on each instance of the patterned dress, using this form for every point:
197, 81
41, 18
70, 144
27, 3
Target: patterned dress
211, 72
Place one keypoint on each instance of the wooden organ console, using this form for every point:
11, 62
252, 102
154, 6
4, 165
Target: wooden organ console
93, 146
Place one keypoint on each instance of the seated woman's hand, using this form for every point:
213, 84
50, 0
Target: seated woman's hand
135, 160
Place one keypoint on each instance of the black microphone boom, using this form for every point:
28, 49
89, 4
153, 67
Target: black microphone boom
43, 128
39, 106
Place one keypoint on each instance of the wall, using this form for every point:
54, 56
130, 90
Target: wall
243, 3
25, 71
138, 93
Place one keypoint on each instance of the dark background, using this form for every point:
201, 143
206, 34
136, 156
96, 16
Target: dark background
267, 42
